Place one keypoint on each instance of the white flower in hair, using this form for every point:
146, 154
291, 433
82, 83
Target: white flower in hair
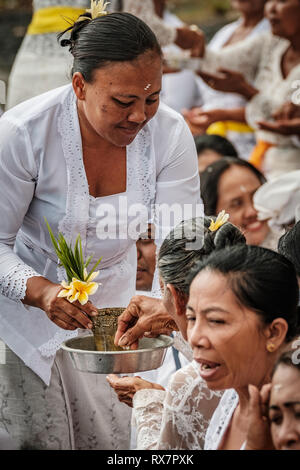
98, 8
220, 220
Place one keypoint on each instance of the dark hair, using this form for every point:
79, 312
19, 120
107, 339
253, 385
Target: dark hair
210, 177
288, 359
176, 257
289, 246
217, 143
116, 37
262, 280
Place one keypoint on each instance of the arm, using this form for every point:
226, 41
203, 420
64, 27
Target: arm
185, 37
199, 120
20, 282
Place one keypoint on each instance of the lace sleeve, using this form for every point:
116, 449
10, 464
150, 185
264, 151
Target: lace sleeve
178, 418
148, 409
145, 10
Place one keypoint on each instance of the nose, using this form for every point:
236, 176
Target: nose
137, 114
197, 337
287, 435
139, 251
250, 212
270, 7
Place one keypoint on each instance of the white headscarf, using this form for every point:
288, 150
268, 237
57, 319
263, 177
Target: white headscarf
279, 199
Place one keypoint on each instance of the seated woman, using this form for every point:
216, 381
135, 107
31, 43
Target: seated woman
279, 426
178, 417
230, 184
241, 314
266, 68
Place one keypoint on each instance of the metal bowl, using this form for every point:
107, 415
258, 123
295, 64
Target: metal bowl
86, 358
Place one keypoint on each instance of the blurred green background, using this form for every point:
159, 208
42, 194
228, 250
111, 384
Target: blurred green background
15, 16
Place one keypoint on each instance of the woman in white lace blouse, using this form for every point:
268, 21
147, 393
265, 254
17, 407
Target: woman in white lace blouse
266, 69
242, 312
177, 418
93, 157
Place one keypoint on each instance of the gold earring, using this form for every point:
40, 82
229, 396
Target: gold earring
271, 347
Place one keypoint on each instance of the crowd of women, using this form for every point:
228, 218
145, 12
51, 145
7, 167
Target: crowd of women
223, 137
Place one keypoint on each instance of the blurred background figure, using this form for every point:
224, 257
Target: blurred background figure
250, 23
41, 64
211, 148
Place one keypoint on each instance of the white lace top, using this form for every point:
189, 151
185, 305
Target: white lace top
42, 175
177, 418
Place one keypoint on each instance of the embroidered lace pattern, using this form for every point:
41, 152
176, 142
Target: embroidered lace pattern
13, 284
221, 420
177, 418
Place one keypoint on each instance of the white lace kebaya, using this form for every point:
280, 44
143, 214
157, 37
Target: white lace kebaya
42, 175
175, 419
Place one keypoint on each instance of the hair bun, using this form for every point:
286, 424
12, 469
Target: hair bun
65, 43
228, 235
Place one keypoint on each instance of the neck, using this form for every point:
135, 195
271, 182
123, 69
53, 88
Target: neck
244, 394
295, 43
251, 20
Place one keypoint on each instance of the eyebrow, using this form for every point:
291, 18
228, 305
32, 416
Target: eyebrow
205, 311
134, 96
288, 404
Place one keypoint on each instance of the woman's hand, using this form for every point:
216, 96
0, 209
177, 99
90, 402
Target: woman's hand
287, 111
229, 81
144, 316
282, 126
42, 293
126, 387
258, 435
191, 37
199, 121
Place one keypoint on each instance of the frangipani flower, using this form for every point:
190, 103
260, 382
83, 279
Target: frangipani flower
98, 8
220, 220
79, 290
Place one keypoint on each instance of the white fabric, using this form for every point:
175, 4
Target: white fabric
212, 99
279, 199
145, 10
42, 175
221, 420
179, 90
178, 417
259, 59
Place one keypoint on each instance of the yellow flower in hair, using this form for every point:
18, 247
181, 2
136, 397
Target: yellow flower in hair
220, 220
80, 290
98, 8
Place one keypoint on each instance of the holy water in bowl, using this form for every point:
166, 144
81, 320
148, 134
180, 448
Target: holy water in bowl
104, 328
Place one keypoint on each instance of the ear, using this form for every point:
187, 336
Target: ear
179, 300
79, 87
276, 334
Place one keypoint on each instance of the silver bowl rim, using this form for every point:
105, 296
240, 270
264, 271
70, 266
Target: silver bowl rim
166, 338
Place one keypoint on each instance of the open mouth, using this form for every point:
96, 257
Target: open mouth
208, 368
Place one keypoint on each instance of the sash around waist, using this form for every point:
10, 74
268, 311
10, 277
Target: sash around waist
53, 19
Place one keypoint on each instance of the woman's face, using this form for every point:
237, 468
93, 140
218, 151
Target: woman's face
225, 336
248, 6
284, 408
121, 99
284, 17
236, 188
